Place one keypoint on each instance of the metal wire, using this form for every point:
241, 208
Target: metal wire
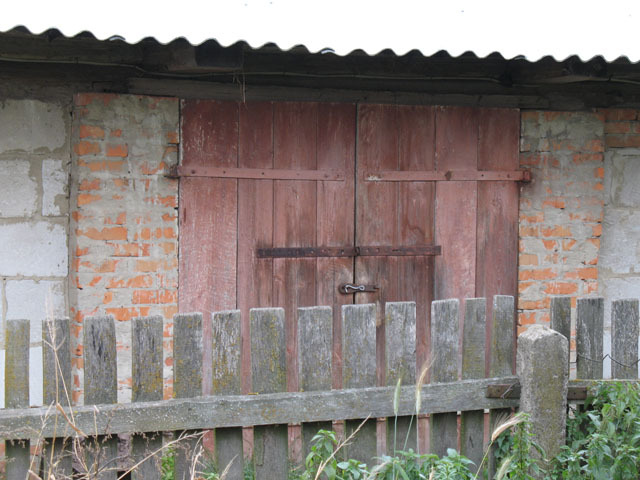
600, 360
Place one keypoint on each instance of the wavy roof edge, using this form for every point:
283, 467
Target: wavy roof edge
54, 32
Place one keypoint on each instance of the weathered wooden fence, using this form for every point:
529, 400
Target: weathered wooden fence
457, 384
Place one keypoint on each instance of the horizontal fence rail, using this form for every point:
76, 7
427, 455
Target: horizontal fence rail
455, 382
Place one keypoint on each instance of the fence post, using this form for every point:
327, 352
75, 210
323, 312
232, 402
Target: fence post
100, 386
56, 387
269, 375
227, 380
187, 382
544, 375
146, 375
445, 328
589, 331
16, 390
624, 338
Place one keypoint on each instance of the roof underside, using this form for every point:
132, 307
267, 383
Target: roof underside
529, 31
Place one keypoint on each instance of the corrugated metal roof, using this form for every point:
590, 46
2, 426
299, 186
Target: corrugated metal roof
535, 29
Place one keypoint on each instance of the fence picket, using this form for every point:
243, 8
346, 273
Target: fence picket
315, 337
589, 331
502, 355
560, 311
100, 386
624, 338
187, 382
146, 375
56, 388
269, 375
16, 391
227, 380
473, 355
358, 371
400, 363
445, 328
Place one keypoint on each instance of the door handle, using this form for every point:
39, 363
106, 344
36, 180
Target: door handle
348, 288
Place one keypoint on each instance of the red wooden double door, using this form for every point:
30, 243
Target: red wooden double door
285, 174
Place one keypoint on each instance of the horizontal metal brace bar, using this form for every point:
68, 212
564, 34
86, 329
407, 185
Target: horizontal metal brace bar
448, 176
367, 251
257, 173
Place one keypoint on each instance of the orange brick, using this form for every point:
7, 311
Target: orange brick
121, 219
523, 286
617, 114
147, 169
168, 247
528, 231
568, 244
556, 231
598, 172
621, 141
528, 259
148, 265
597, 230
168, 201
86, 148
121, 150
154, 296
537, 218
595, 242
84, 99
169, 311
534, 304
554, 202
91, 131
169, 232
130, 249
139, 281
617, 127
526, 318
108, 298
550, 244
115, 133
94, 281
87, 186
108, 266
87, 198
594, 146
590, 287
121, 182
561, 288
81, 251
581, 158
113, 233
172, 137
123, 314
543, 274
169, 218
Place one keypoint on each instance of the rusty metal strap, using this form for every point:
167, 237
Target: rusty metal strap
257, 173
446, 176
366, 251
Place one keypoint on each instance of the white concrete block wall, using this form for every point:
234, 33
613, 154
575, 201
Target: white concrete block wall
34, 220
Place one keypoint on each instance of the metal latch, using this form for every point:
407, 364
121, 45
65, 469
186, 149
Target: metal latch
347, 288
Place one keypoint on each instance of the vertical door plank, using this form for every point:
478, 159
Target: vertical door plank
335, 150
624, 338
208, 214
269, 375
589, 332
359, 371
100, 386
56, 388
445, 337
255, 220
187, 382
227, 380
315, 339
497, 240
16, 393
376, 212
456, 149
400, 340
502, 354
473, 366
295, 134
146, 375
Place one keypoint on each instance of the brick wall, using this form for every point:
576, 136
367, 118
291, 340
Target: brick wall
124, 219
561, 210
34, 166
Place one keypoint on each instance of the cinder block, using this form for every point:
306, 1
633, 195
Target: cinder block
35, 301
19, 190
33, 249
54, 188
31, 125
